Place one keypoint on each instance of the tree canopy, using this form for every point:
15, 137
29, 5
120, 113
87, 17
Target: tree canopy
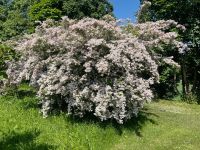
18, 17
74, 9
187, 13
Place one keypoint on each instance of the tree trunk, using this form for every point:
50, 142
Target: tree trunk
194, 81
175, 87
183, 74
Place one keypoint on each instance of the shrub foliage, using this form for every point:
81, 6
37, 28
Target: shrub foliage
87, 65
6, 54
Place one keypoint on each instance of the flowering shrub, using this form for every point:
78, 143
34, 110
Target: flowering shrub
88, 65
156, 36
161, 41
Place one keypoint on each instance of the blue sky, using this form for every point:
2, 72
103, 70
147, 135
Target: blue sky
125, 8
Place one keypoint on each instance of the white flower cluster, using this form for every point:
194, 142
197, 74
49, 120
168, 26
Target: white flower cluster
155, 36
88, 65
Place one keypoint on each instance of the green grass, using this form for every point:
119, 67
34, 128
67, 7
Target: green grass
161, 125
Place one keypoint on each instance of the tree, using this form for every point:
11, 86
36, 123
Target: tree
90, 8
18, 17
75, 9
187, 13
44, 9
15, 20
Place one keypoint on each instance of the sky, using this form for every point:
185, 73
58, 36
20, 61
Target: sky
124, 9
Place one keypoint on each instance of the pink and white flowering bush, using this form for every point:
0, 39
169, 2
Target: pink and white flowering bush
156, 36
89, 65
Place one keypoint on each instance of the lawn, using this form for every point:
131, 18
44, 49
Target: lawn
161, 125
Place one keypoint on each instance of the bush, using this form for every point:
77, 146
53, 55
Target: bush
89, 66
6, 54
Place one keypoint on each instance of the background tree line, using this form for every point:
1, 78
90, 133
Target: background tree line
18, 16
187, 13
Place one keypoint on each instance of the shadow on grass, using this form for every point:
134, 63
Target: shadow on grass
23, 94
29, 103
22, 141
135, 124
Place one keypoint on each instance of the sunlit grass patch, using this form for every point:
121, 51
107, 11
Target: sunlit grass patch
160, 125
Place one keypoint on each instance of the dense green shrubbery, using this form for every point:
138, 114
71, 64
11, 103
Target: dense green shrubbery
169, 77
6, 54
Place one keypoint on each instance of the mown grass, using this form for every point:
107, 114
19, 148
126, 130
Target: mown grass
161, 125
